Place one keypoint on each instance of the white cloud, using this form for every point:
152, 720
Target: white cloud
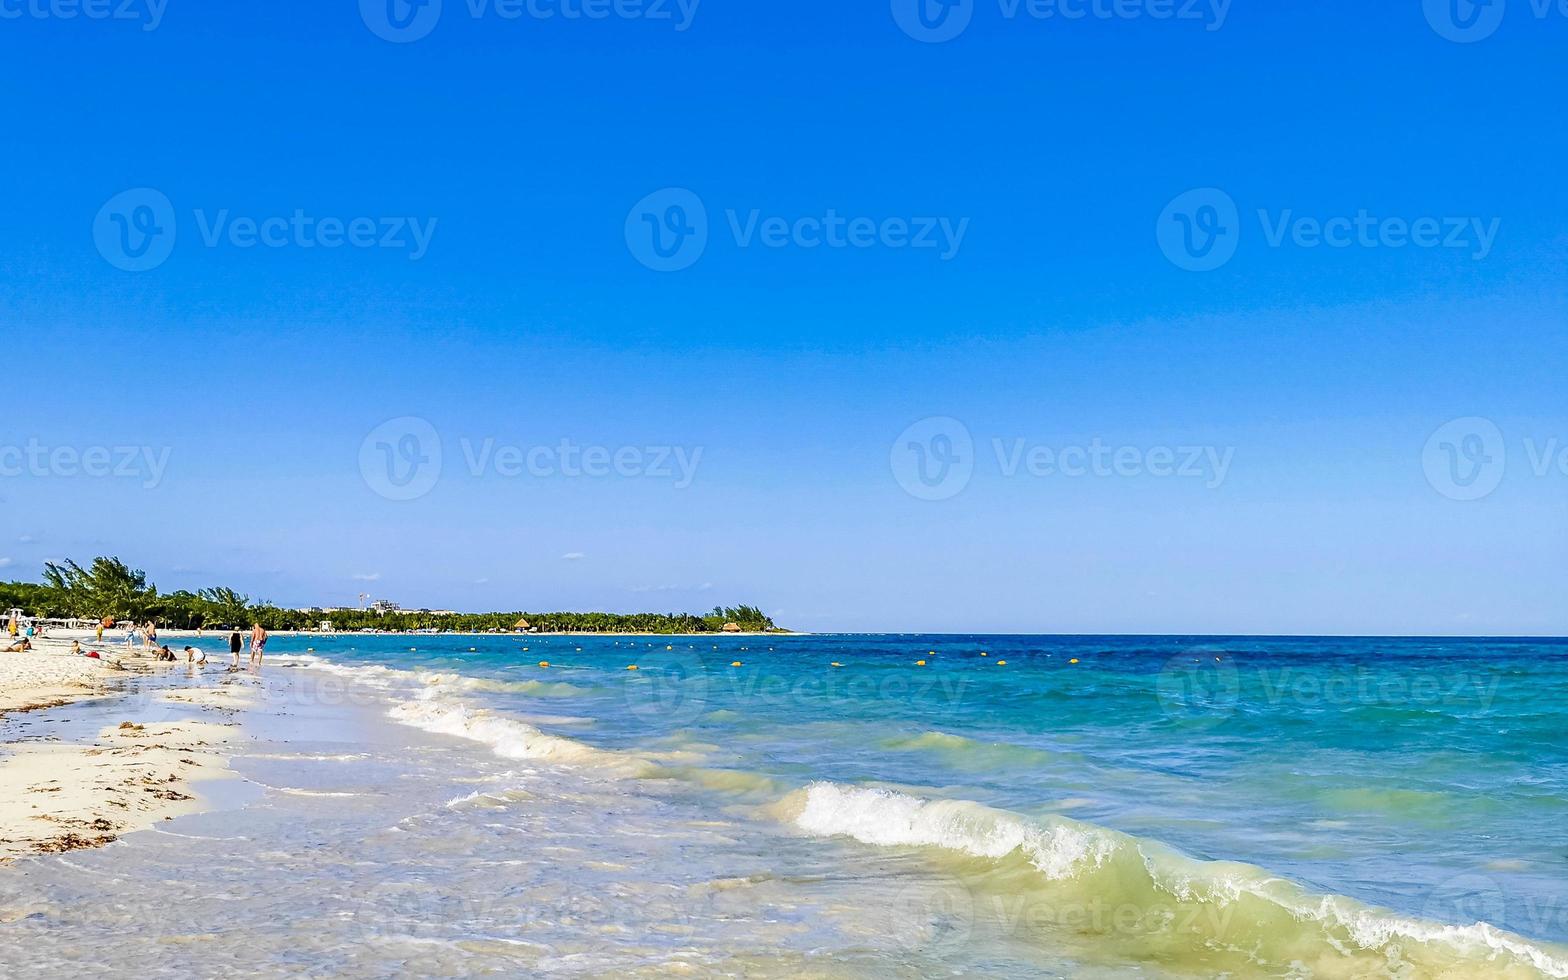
368, 577
6, 563
573, 556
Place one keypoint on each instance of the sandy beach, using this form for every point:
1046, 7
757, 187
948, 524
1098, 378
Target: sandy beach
62, 788
48, 677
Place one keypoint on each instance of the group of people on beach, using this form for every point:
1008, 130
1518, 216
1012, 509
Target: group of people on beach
197, 657
22, 637
148, 633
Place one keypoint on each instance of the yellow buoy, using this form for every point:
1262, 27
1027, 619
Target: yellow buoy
544, 663
1073, 661
920, 663
737, 664
835, 664
984, 654
1001, 663
632, 667
669, 648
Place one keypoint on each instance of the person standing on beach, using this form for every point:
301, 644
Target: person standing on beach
100, 631
234, 648
258, 644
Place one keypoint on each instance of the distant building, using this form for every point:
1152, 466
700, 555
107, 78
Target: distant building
384, 606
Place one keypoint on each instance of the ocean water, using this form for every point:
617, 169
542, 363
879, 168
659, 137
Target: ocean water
1015, 806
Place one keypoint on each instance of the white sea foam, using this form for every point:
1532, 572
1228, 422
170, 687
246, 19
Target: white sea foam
1063, 850
886, 818
507, 736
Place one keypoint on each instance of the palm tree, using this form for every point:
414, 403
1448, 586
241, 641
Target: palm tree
228, 606
109, 589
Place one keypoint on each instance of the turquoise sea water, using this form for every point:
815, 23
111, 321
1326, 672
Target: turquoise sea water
1162, 807
1426, 777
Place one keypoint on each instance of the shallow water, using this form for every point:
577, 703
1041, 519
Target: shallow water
1164, 807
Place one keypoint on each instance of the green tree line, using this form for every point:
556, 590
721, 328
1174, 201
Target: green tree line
109, 588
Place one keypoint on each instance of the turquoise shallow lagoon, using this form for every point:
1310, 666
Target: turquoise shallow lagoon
1021, 806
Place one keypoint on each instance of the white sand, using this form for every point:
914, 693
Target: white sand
57, 797
45, 679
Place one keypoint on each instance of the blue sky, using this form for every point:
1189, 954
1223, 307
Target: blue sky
1044, 164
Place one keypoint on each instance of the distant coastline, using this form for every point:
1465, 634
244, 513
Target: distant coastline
112, 592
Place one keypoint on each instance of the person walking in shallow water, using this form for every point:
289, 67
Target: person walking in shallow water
258, 644
235, 643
